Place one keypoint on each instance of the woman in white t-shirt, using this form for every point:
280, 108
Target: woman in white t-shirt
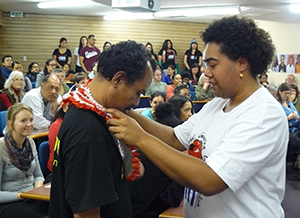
238, 140
82, 44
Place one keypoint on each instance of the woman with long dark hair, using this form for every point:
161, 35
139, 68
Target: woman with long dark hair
192, 56
50, 66
167, 55
33, 70
149, 47
82, 44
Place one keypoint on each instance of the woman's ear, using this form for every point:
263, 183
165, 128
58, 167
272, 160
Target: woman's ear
9, 124
243, 64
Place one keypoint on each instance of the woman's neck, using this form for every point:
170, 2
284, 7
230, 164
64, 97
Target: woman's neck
18, 139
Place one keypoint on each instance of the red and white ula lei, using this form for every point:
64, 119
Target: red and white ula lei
83, 99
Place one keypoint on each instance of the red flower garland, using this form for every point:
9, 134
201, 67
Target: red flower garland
82, 99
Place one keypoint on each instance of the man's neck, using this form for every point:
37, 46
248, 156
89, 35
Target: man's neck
156, 81
90, 46
96, 93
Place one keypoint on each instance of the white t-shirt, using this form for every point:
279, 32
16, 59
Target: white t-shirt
246, 147
77, 55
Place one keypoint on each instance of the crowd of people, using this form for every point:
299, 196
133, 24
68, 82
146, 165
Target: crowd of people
217, 161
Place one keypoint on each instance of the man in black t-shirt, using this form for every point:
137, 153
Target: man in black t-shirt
88, 178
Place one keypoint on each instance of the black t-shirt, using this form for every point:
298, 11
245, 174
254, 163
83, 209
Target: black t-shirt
62, 59
193, 58
169, 59
87, 173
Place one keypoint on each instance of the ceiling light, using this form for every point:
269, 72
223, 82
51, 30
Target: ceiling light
197, 12
129, 16
295, 8
64, 3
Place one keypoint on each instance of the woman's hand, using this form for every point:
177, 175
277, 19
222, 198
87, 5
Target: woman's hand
19, 197
125, 128
292, 115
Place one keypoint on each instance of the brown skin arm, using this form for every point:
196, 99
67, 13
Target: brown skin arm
69, 60
177, 165
90, 213
185, 62
163, 132
81, 58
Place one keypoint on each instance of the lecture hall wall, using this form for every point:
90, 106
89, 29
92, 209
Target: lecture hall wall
36, 36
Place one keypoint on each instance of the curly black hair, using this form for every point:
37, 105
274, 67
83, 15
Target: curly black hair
242, 38
129, 57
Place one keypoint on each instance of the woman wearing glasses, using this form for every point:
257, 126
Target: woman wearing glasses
50, 66
13, 90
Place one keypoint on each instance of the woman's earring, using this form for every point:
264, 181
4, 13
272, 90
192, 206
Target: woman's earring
241, 75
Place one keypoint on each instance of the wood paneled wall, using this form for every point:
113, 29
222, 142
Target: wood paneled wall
1, 18
36, 36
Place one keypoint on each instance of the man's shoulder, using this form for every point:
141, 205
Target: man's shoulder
34, 92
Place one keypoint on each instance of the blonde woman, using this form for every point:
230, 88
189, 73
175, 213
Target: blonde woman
19, 166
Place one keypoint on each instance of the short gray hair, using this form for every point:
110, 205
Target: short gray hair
59, 70
11, 77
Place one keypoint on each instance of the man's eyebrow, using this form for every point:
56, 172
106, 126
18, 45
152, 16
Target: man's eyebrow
209, 59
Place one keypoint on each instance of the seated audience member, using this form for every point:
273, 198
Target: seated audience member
195, 73
273, 90
290, 79
50, 66
167, 77
155, 191
79, 80
33, 70
6, 69
202, 69
94, 69
283, 93
204, 90
186, 79
69, 73
13, 90
155, 99
16, 65
2, 80
183, 107
53, 131
176, 81
60, 73
44, 101
294, 97
182, 90
156, 84
263, 79
19, 166
149, 47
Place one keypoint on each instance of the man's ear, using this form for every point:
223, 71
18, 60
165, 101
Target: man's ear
118, 78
